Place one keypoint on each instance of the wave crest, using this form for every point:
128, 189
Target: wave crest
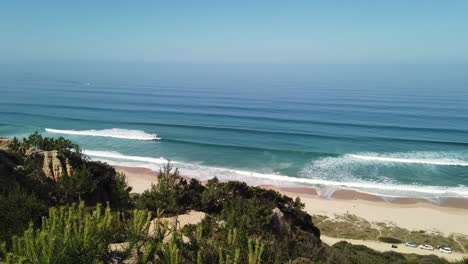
113, 132
441, 161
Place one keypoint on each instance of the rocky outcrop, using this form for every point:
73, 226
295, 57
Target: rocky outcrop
52, 164
68, 167
280, 220
4, 143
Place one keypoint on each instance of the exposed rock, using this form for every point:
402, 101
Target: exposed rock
52, 165
280, 220
179, 221
68, 167
4, 143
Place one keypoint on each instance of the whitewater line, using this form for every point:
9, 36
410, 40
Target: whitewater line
116, 155
113, 132
442, 162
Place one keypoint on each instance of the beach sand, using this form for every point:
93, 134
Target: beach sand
409, 213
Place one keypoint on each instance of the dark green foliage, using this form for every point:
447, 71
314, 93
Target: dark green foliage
171, 193
16, 146
18, 208
390, 240
110, 186
249, 210
364, 255
80, 184
302, 261
26, 192
64, 146
95, 182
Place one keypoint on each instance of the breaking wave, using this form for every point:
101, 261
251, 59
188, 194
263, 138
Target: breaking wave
113, 132
442, 161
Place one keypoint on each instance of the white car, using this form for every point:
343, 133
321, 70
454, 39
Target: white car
445, 250
426, 247
411, 244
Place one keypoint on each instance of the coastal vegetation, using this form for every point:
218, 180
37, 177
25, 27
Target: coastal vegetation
87, 215
345, 226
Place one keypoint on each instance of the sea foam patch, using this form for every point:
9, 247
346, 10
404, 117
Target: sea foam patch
113, 132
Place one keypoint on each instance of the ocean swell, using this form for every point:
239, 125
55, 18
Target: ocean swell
113, 132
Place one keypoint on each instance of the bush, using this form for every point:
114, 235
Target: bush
171, 193
64, 146
390, 240
69, 235
302, 261
18, 208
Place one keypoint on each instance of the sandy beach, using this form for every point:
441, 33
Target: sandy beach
417, 215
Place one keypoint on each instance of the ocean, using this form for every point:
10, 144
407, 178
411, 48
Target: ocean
391, 130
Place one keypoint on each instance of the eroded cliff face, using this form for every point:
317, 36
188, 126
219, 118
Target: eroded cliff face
52, 164
4, 142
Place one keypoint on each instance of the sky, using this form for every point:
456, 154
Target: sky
221, 31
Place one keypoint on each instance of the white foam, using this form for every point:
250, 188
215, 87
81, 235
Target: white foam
116, 155
113, 132
325, 186
443, 162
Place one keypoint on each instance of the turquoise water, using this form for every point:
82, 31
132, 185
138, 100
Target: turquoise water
390, 130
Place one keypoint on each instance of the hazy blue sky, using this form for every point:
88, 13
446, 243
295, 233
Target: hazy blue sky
407, 31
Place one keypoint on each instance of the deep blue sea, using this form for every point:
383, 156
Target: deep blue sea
395, 130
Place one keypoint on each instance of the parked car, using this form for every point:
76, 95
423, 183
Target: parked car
426, 247
445, 250
411, 244
394, 246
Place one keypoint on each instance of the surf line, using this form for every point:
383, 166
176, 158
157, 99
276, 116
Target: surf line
418, 161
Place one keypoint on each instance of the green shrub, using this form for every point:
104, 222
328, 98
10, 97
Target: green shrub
64, 146
18, 208
171, 193
69, 235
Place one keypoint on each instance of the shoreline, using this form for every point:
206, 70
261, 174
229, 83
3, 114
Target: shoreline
412, 214
146, 177
347, 194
